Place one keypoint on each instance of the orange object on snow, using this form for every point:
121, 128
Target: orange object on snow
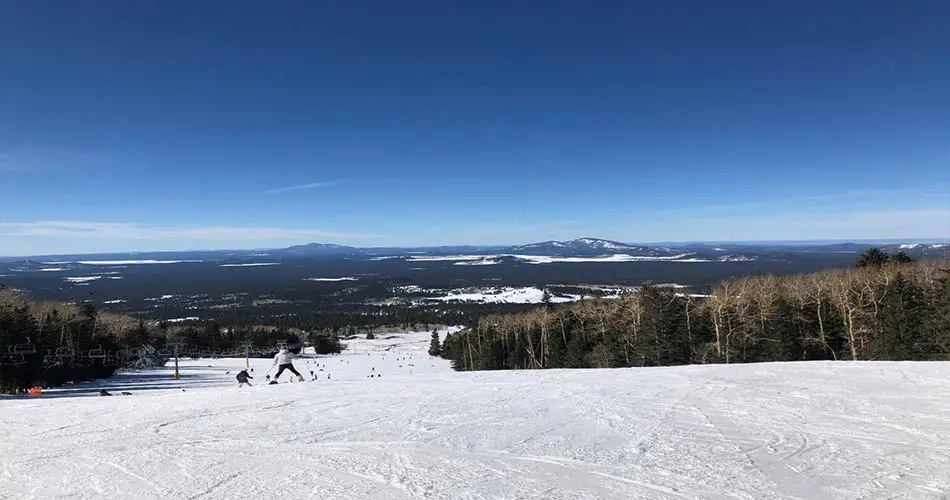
35, 392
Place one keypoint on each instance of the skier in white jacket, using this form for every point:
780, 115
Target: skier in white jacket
284, 361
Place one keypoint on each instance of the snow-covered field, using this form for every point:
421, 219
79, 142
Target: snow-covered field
126, 262
251, 264
495, 295
508, 295
765, 431
487, 260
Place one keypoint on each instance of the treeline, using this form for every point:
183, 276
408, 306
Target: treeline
50, 343
335, 318
213, 340
886, 309
47, 344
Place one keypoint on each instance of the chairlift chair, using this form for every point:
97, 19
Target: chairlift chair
25, 348
12, 359
50, 360
97, 353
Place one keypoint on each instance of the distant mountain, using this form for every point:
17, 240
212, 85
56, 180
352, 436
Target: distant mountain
577, 248
920, 250
589, 247
314, 250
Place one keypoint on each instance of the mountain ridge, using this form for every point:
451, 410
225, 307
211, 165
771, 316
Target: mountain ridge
578, 247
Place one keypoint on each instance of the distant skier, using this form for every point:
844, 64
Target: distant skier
242, 377
284, 361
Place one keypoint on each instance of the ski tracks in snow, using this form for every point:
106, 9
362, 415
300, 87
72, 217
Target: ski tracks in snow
771, 431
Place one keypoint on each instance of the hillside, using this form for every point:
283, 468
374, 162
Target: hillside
817, 430
887, 312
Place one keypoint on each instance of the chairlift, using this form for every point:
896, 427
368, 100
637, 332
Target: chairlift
12, 359
97, 353
50, 360
25, 348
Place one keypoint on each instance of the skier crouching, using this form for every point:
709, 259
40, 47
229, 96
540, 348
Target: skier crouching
284, 361
242, 377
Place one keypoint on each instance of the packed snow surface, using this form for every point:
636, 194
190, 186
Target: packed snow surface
808, 430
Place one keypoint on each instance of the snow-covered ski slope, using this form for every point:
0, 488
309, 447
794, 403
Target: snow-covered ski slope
765, 431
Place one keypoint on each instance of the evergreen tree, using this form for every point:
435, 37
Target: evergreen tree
901, 257
370, 335
902, 315
435, 349
939, 326
326, 343
873, 257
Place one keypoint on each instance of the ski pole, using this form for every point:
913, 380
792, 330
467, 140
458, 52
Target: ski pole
268, 371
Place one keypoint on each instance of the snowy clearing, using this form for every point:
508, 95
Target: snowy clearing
82, 279
163, 297
529, 295
480, 262
435, 258
130, 262
179, 320
486, 260
251, 264
493, 295
815, 430
534, 259
345, 278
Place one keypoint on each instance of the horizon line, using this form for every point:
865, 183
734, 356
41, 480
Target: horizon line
866, 241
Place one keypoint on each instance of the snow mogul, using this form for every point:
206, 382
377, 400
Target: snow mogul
283, 360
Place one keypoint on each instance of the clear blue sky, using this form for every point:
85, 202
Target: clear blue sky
149, 125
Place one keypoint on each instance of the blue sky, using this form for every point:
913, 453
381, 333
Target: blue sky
236, 124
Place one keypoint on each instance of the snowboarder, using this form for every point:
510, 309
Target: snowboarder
242, 377
284, 361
